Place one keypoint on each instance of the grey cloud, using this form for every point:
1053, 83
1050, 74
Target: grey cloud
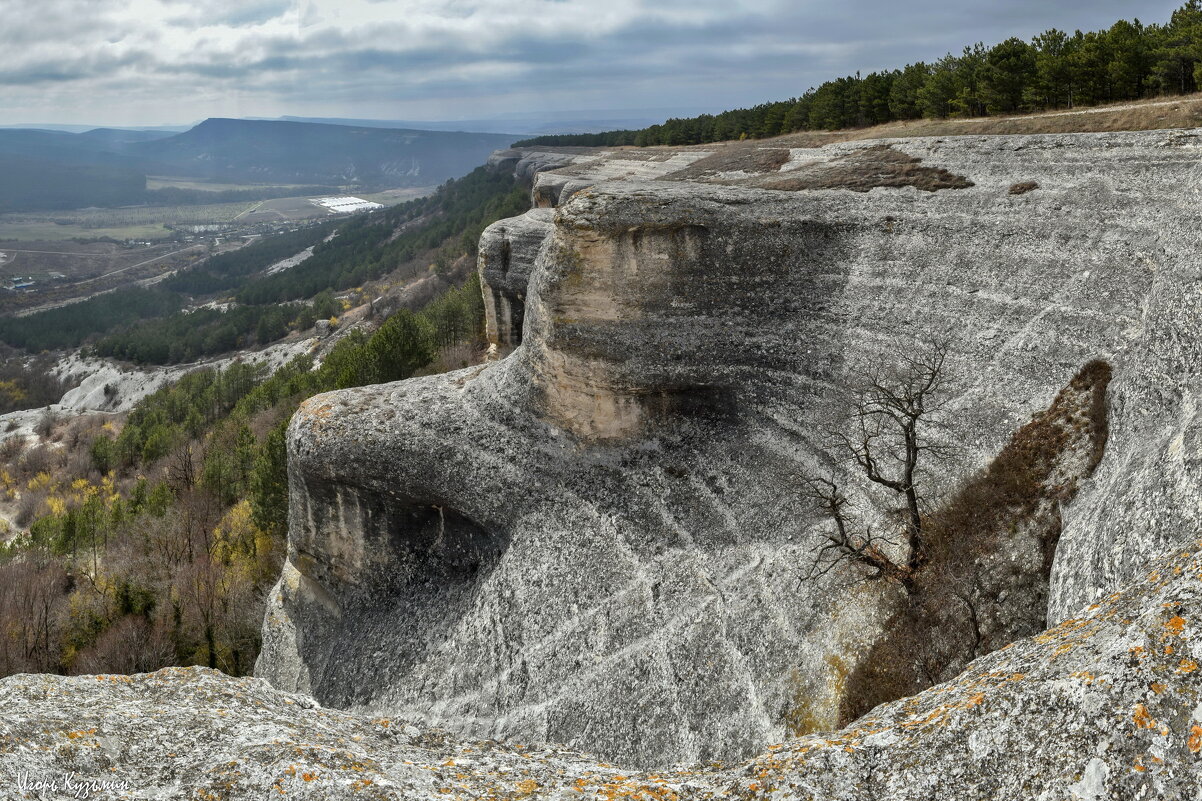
660, 56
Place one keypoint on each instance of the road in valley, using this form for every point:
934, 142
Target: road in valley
70, 301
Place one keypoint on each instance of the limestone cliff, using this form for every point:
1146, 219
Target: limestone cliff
508, 250
599, 540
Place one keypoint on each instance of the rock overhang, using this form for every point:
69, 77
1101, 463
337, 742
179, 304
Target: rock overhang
679, 339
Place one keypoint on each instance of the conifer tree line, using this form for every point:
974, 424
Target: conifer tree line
1055, 70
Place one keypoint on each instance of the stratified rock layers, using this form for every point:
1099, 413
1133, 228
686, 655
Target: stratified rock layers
507, 253
599, 540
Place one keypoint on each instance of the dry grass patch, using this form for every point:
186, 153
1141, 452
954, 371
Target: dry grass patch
738, 157
872, 167
1143, 115
991, 544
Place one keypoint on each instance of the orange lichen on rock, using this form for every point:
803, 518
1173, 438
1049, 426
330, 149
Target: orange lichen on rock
1195, 739
1143, 720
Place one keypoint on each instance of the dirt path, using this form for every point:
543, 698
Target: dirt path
1104, 109
139, 264
71, 301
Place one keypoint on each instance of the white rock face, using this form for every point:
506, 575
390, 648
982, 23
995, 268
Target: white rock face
599, 540
107, 387
507, 253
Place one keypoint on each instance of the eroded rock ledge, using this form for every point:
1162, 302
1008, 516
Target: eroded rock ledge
599, 540
1102, 706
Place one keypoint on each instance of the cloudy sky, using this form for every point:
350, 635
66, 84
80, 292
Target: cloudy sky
176, 61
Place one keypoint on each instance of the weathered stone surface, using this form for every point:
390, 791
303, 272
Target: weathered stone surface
1105, 706
526, 163
507, 252
599, 540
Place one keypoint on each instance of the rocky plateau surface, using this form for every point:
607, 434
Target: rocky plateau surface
1104, 706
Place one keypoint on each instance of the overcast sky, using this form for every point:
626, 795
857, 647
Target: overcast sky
175, 61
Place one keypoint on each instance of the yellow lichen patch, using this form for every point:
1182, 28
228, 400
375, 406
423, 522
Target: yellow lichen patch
1187, 666
1175, 625
527, 786
74, 735
1143, 720
308, 776
1157, 687
1195, 739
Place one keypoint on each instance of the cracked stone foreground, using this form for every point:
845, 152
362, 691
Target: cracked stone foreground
1105, 706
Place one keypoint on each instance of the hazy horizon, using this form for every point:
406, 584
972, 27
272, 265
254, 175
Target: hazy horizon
520, 119
166, 62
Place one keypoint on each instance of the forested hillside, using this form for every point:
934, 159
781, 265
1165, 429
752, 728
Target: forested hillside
152, 542
154, 536
150, 326
1055, 70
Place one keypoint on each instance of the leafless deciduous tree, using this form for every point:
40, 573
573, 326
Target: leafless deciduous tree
887, 439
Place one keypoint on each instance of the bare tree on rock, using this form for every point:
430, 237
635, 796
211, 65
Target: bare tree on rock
887, 439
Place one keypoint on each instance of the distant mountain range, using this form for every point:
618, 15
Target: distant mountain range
524, 123
49, 169
259, 151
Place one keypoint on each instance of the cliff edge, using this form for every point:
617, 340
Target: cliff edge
599, 539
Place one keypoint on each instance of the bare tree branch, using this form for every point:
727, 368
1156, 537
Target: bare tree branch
888, 440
